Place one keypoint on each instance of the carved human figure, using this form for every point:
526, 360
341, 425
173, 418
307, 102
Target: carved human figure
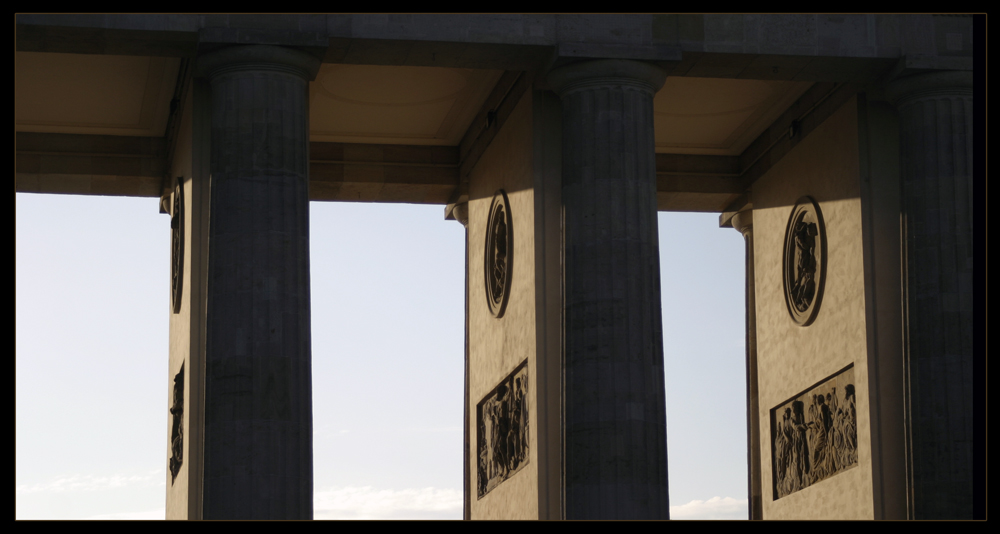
500, 448
483, 459
522, 407
803, 288
821, 451
177, 427
514, 439
175, 247
782, 451
814, 417
834, 432
800, 447
492, 416
850, 425
499, 253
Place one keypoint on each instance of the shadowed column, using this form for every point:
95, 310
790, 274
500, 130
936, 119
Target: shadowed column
743, 223
614, 408
935, 124
258, 390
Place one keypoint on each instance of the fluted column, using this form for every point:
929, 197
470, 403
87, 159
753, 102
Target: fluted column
935, 111
258, 383
743, 223
614, 416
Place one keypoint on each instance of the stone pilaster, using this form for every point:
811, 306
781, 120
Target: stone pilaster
460, 212
935, 119
258, 383
614, 417
743, 223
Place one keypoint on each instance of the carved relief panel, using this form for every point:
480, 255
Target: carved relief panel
499, 247
177, 246
804, 265
815, 435
177, 426
502, 430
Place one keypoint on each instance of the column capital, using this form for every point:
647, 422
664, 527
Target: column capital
903, 91
743, 222
606, 72
458, 211
258, 57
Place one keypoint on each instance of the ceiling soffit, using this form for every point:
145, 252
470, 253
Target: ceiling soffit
130, 95
93, 94
715, 116
396, 105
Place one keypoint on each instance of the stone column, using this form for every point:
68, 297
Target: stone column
460, 213
614, 419
743, 223
258, 383
935, 119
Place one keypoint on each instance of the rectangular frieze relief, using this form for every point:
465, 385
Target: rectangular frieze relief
815, 435
502, 431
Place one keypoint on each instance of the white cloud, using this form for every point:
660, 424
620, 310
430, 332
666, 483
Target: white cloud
714, 508
369, 503
93, 483
148, 514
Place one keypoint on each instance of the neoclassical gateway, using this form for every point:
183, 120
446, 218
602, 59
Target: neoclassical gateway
840, 146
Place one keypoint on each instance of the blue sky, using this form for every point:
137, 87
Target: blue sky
92, 304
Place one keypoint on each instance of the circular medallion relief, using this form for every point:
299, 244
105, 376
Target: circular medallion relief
499, 246
804, 262
177, 246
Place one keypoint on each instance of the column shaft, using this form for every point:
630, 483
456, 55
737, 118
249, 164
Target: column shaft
614, 406
258, 386
936, 178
